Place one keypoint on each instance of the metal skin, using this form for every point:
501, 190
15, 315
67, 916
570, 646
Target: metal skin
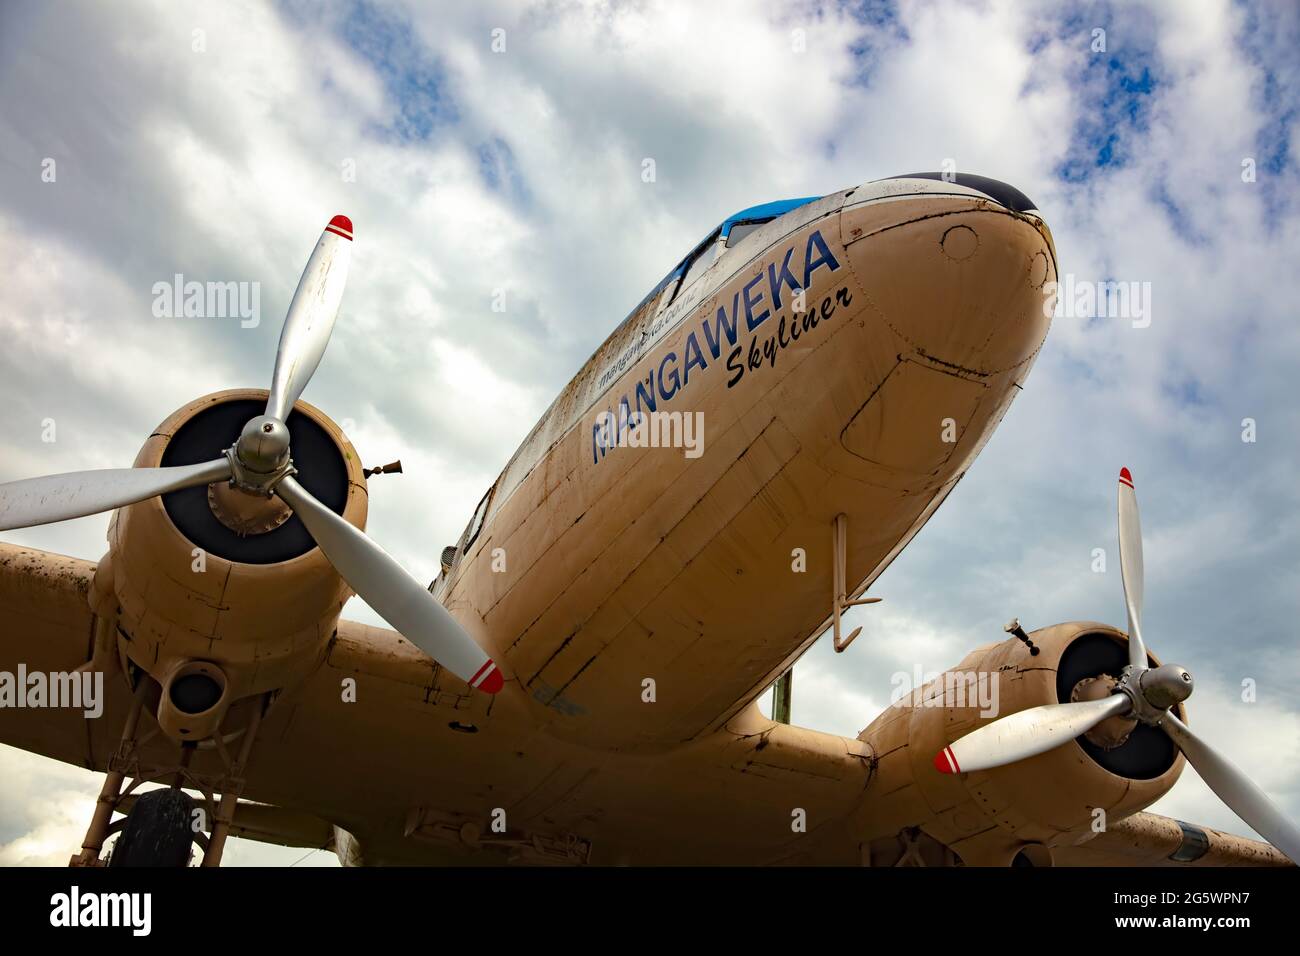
1142, 692
646, 599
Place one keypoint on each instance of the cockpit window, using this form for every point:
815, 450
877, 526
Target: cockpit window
476, 522
698, 266
741, 229
703, 255
692, 267
761, 214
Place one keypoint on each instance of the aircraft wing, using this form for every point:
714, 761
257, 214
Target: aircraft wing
46, 625
1148, 839
384, 744
378, 741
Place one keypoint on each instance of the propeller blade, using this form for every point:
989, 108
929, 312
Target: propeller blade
75, 494
1235, 789
1026, 733
1130, 566
311, 317
396, 596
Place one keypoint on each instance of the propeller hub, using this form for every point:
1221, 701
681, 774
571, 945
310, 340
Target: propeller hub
259, 460
263, 445
1166, 686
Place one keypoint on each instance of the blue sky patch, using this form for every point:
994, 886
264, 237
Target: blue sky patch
414, 83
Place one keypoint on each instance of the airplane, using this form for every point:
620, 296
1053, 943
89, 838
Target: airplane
726, 476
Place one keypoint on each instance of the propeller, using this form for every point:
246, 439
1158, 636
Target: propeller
260, 463
1026, 733
33, 501
1143, 693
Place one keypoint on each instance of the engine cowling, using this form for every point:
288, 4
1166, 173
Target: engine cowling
991, 817
219, 596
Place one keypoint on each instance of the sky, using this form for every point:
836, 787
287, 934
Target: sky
492, 154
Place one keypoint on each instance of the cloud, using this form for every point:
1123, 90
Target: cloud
476, 176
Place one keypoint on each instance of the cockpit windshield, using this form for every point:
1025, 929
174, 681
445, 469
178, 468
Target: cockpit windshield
741, 224
731, 231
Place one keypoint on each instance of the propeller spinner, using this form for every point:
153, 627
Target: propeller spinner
1143, 693
260, 463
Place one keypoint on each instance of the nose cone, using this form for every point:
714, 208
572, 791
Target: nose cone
960, 274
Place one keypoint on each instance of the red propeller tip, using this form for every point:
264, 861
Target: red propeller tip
488, 679
945, 762
340, 226
1126, 477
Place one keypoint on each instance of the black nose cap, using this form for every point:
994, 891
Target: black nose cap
1009, 196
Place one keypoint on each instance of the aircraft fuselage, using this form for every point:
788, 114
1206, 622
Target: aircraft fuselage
848, 357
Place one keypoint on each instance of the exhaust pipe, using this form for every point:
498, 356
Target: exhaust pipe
194, 700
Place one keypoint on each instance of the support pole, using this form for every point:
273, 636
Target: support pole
781, 697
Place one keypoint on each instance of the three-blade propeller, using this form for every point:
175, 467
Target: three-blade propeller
260, 463
1144, 693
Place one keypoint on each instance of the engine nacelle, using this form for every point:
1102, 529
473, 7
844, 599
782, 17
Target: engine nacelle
221, 595
989, 817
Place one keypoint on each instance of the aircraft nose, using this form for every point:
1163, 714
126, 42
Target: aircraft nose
961, 277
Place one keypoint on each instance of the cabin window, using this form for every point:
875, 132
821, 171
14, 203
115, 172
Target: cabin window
741, 229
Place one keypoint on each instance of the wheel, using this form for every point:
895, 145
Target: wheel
158, 831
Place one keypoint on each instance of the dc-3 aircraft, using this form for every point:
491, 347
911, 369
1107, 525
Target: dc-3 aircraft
579, 683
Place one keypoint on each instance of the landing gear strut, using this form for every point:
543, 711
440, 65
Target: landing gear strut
161, 826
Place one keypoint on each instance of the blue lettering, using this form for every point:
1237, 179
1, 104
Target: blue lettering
811, 265
676, 379
722, 326
750, 320
785, 278
645, 393
693, 357
624, 416
600, 438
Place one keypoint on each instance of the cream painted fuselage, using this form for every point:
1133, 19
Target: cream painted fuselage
849, 357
